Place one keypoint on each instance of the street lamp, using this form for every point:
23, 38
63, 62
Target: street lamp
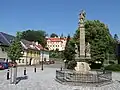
42, 59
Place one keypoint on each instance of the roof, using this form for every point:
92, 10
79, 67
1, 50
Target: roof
28, 45
57, 39
31, 45
5, 39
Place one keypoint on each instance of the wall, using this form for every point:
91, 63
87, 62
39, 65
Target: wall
53, 45
44, 55
3, 54
30, 57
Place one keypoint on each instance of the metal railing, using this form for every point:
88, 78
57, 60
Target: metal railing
70, 76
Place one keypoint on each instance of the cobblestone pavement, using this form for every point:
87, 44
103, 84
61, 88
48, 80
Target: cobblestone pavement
45, 80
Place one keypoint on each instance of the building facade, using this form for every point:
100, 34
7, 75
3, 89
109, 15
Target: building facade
3, 53
56, 43
33, 53
5, 41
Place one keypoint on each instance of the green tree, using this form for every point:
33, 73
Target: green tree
36, 36
69, 53
116, 39
62, 36
14, 51
53, 35
19, 35
100, 39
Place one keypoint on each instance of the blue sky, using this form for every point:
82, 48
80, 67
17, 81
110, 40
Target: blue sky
58, 16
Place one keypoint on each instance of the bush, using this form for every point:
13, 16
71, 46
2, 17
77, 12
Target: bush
113, 67
111, 62
95, 66
71, 64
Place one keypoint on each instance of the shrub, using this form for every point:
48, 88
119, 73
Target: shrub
113, 67
95, 66
111, 62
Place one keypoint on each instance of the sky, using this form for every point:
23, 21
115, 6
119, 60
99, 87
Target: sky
56, 16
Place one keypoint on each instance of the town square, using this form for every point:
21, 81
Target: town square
56, 45
45, 80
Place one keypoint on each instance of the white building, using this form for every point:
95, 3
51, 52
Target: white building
5, 41
56, 43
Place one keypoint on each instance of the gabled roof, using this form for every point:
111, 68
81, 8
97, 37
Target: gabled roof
31, 45
39, 46
5, 39
28, 45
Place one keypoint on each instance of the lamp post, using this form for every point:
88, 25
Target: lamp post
42, 59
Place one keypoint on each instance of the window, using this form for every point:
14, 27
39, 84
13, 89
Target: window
22, 52
30, 52
4, 59
3, 49
22, 60
44, 59
19, 60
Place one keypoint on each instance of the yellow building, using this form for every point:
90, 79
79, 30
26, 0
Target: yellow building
31, 53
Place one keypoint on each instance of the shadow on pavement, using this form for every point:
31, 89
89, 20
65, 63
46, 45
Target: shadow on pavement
21, 78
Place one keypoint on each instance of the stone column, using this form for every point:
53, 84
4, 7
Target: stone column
82, 35
82, 65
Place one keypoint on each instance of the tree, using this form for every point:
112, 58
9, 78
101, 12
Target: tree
36, 36
14, 53
69, 53
19, 35
116, 39
100, 39
53, 35
61, 36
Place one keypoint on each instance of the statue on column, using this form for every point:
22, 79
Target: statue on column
77, 52
87, 49
82, 16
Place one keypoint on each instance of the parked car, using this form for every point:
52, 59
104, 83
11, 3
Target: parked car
52, 61
12, 64
1, 66
4, 65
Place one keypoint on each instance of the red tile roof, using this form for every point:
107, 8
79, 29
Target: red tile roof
56, 39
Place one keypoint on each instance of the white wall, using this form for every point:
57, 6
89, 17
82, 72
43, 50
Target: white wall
44, 54
3, 54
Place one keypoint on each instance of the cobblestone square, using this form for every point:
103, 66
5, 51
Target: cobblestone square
45, 80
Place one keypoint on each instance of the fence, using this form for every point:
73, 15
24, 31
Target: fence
95, 77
